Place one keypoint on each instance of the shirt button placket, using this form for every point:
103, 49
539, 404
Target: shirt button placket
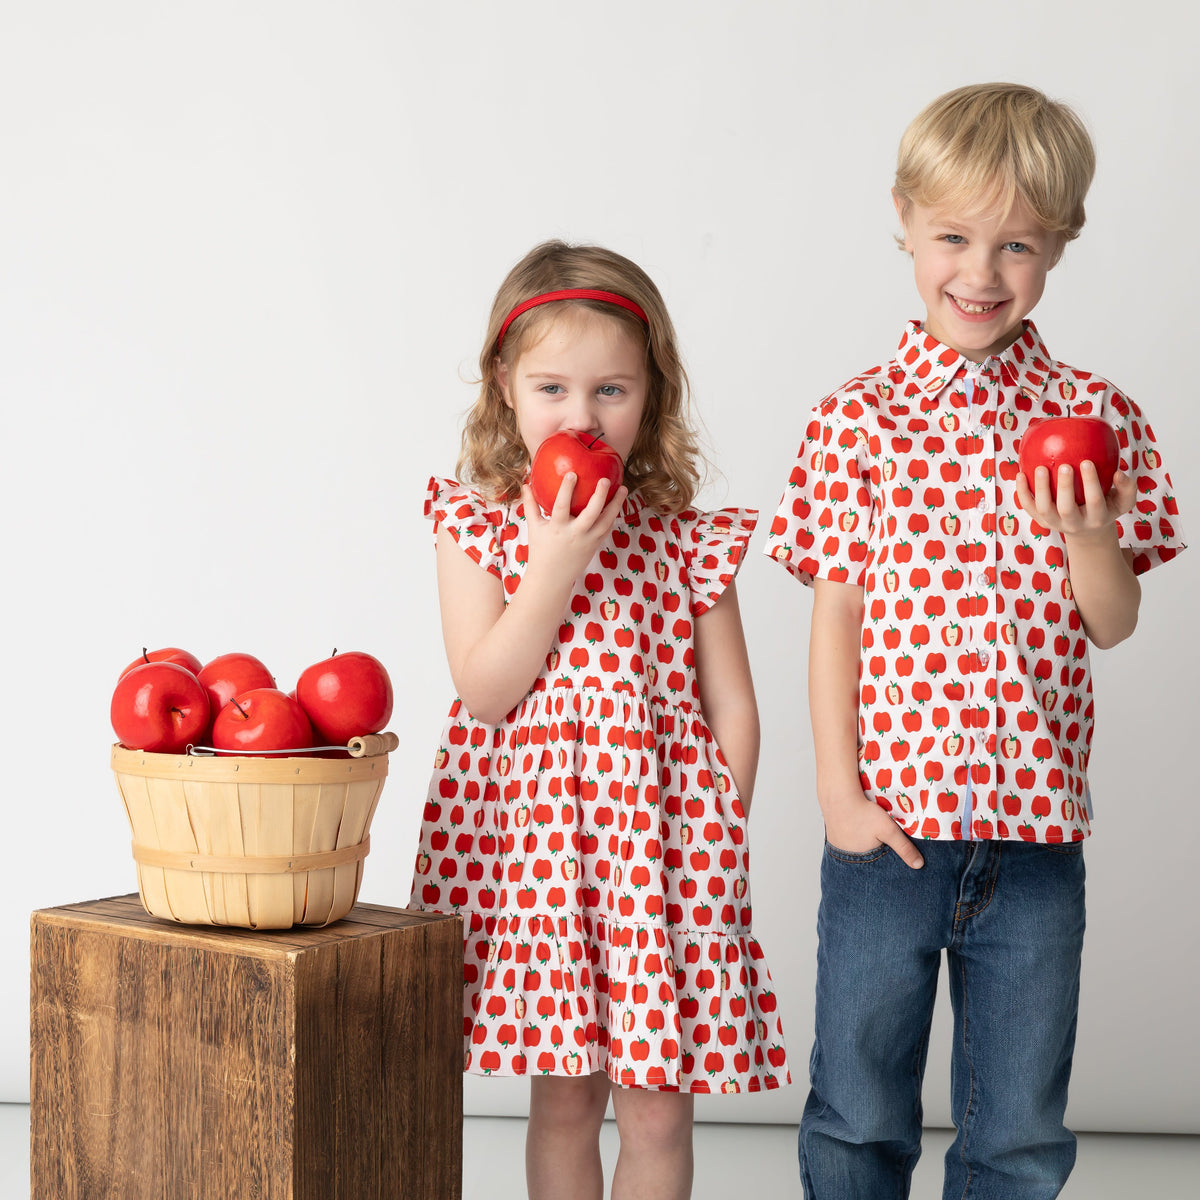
983, 417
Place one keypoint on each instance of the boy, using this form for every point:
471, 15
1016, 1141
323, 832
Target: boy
948, 672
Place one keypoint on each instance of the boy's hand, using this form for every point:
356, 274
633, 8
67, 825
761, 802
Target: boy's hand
1060, 512
858, 825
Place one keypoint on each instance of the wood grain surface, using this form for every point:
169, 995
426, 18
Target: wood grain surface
194, 1062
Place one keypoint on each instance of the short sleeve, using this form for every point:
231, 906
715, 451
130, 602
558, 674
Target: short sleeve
1152, 529
714, 545
468, 518
820, 528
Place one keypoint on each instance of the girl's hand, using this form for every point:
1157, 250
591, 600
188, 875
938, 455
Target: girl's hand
858, 825
560, 545
1061, 513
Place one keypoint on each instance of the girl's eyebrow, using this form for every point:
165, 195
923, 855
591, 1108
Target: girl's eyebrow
554, 375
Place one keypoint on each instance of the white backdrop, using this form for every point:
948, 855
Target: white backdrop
246, 255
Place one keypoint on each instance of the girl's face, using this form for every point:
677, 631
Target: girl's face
586, 373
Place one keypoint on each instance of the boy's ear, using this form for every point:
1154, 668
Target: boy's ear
900, 207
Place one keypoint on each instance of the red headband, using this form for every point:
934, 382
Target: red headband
570, 294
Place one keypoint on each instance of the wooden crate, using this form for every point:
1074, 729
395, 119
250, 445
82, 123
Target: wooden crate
187, 1063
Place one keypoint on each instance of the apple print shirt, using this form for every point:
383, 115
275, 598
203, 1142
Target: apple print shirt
593, 841
975, 695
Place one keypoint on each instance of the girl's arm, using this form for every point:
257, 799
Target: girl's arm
727, 690
852, 821
495, 652
1106, 591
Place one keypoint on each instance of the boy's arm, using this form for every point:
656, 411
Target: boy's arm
727, 689
852, 821
1105, 589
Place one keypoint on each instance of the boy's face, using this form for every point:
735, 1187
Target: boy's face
980, 276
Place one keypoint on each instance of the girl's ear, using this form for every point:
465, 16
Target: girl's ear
901, 211
502, 380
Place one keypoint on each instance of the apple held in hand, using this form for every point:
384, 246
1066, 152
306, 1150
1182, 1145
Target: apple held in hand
345, 695
159, 706
230, 675
172, 654
1069, 441
590, 458
259, 720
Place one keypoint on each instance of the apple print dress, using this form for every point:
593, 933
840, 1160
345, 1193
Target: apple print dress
975, 694
593, 841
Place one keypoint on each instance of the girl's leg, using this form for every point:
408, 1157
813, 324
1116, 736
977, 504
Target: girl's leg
655, 1162
562, 1144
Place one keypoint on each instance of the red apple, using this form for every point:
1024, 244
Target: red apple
590, 458
1069, 441
159, 706
345, 695
230, 675
261, 719
189, 662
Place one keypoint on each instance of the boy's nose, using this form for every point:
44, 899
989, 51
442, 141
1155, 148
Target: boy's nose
981, 270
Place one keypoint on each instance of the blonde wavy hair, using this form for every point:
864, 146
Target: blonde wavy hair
990, 144
665, 463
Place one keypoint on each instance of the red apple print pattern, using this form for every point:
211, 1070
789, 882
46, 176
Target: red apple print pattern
975, 693
593, 841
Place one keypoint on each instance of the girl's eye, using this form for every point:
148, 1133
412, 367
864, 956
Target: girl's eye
551, 389
608, 390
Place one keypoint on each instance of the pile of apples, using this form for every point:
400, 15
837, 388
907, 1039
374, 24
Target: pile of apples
167, 700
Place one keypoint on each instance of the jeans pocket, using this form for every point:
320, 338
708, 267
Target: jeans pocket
856, 857
1063, 849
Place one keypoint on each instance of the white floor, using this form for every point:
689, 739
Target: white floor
731, 1157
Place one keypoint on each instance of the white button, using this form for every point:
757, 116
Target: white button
984, 658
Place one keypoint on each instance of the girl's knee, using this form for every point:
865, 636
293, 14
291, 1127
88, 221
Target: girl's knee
658, 1119
555, 1101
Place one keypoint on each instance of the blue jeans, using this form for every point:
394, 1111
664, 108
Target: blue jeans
1010, 917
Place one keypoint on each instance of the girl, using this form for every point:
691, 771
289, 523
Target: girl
587, 814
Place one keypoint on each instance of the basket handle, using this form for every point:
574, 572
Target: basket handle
369, 744
274, 864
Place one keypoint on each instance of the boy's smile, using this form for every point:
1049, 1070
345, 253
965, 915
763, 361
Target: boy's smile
980, 276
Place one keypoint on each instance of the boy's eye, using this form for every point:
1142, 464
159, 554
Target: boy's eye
955, 239
1016, 247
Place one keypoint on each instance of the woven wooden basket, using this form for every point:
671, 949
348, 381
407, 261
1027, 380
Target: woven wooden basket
262, 843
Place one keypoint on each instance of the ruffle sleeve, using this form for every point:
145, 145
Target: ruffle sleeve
714, 545
469, 519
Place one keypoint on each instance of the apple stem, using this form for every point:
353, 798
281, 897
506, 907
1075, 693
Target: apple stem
240, 709
146, 653
177, 710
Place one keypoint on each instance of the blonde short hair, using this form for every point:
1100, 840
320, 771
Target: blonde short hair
990, 144
664, 463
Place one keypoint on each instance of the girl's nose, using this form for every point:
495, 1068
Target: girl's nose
581, 416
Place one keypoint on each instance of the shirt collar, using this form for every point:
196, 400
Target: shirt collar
929, 365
